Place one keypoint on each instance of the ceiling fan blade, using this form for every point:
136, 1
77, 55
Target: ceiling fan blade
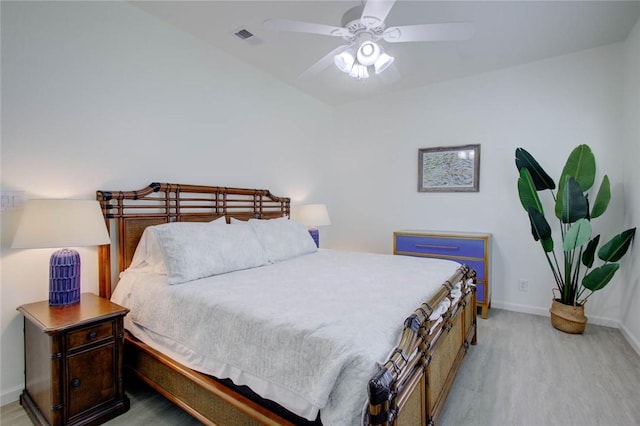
429, 32
378, 9
322, 64
305, 27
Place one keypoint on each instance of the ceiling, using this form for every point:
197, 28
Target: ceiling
507, 33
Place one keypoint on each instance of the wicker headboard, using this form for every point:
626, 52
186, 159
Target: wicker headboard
133, 211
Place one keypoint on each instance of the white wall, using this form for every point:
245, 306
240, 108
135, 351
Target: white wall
99, 95
548, 107
102, 96
630, 155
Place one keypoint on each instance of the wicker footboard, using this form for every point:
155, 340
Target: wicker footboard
203, 397
412, 386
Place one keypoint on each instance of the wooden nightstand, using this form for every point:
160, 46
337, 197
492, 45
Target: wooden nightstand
73, 362
471, 248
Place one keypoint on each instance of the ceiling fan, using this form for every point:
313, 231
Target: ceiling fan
363, 28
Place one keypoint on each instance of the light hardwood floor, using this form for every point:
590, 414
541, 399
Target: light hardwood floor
521, 373
524, 372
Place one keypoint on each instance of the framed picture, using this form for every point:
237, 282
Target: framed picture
449, 169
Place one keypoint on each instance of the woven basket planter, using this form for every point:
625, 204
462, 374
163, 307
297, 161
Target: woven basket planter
568, 318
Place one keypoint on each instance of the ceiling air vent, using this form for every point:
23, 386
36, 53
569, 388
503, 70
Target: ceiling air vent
243, 34
247, 36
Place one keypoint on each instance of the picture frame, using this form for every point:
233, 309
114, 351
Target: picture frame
449, 169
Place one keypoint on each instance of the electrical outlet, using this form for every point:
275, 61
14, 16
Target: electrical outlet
12, 200
523, 285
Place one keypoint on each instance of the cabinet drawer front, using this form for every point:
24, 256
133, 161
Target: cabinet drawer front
91, 379
441, 246
480, 293
89, 335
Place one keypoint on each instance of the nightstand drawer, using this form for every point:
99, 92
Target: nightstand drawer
90, 335
440, 246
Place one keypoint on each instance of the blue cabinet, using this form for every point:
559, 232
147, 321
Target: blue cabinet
470, 248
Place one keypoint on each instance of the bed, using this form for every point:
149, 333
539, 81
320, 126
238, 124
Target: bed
417, 363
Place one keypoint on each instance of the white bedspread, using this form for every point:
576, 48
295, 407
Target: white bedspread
306, 332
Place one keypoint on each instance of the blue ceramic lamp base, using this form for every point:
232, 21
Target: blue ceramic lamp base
315, 235
64, 277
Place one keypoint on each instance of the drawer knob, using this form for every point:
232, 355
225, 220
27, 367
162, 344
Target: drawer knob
75, 383
92, 335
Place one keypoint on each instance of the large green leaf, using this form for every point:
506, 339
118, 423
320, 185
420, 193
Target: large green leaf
540, 178
574, 203
589, 254
602, 199
527, 191
540, 229
600, 276
617, 246
581, 164
577, 235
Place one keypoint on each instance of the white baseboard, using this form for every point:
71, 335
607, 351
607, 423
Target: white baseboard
10, 395
607, 322
525, 309
630, 338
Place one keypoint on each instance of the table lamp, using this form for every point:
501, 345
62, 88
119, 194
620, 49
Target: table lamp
314, 215
62, 223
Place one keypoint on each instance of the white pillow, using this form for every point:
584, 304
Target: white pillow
193, 250
219, 221
283, 238
149, 253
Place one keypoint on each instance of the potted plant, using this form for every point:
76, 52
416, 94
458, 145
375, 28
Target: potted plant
575, 274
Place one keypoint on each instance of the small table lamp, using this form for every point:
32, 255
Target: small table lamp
62, 223
314, 215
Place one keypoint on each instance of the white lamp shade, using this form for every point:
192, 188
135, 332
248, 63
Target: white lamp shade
344, 60
383, 62
368, 53
61, 223
359, 71
313, 215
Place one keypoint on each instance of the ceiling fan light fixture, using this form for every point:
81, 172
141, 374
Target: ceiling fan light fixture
362, 27
359, 71
345, 60
368, 53
383, 62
